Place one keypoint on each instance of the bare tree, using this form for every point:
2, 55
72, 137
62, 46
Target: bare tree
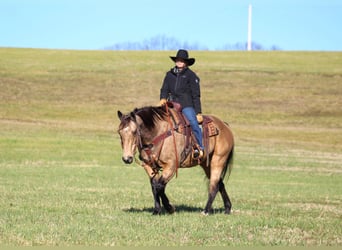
163, 42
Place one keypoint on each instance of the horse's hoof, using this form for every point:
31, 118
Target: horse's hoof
156, 212
204, 213
171, 209
227, 212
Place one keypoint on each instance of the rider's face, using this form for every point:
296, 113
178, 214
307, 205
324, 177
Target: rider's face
180, 63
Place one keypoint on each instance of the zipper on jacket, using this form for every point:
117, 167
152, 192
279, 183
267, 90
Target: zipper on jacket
177, 82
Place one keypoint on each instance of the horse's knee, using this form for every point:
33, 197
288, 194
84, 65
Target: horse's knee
158, 185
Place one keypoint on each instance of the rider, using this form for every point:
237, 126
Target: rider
182, 85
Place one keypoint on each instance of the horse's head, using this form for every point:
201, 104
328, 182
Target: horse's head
138, 127
128, 131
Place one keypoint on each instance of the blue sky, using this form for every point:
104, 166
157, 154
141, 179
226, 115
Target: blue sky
95, 24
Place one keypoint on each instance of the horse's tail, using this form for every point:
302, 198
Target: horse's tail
229, 164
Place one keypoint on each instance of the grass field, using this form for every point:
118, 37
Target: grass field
62, 181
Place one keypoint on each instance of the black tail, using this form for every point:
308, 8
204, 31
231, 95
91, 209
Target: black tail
229, 165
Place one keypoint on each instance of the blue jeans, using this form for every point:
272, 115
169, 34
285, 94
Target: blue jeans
190, 114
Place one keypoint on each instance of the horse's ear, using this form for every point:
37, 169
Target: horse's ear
119, 114
132, 115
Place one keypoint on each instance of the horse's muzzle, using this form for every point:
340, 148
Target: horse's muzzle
127, 160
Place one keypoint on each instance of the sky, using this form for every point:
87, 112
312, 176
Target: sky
309, 25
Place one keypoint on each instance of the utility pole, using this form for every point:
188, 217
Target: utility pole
249, 41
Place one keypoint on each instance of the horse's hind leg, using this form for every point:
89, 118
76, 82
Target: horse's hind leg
214, 172
213, 189
212, 194
226, 201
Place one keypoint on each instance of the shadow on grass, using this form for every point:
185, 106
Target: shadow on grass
179, 209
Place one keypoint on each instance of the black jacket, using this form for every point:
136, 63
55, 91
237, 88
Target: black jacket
183, 87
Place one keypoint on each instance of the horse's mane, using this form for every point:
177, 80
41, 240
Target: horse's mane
150, 115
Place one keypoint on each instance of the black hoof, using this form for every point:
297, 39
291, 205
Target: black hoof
171, 209
156, 212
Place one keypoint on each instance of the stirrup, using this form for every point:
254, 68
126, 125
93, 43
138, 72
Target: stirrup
198, 154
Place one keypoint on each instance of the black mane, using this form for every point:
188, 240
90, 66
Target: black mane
150, 115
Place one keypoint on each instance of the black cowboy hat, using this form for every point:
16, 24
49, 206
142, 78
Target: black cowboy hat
183, 54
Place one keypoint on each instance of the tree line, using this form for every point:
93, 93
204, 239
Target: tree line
162, 42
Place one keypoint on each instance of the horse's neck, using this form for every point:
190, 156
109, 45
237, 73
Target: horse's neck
147, 136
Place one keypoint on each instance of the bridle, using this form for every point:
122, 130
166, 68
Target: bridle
152, 156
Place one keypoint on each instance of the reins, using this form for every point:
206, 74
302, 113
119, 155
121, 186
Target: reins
174, 139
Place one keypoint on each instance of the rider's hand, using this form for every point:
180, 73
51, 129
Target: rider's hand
162, 102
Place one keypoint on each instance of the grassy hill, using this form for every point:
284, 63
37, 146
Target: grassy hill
63, 183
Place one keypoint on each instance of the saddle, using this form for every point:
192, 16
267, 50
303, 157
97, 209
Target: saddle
182, 126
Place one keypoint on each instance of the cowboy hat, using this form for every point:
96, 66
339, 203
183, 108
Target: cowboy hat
183, 54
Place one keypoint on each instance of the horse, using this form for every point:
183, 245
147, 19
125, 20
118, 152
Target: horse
164, 145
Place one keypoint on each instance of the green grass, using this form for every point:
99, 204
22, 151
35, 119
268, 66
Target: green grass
62, 181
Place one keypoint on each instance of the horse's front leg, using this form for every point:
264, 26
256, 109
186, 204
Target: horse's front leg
158, 188
166, 176
156, 196
166, 203
158, 184
154, 180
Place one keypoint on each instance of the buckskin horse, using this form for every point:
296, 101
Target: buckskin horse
165, 143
